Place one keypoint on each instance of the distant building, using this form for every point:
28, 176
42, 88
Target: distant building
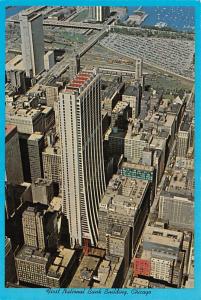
15, 74
52, 163
184, 136
31, 27
48, 117
138, 68
178, 209
120, 115
134, 145
51, 95
74, 66
49, 60
42, 191
114, 140
112, 94
35, 146
99, 13
14, 170
132, 95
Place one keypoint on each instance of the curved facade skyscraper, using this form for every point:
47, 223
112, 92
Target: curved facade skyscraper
83, 181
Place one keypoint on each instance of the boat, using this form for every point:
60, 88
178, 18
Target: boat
161, 25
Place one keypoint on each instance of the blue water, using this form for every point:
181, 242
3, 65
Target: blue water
176, 17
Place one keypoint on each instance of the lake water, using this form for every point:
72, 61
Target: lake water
176, 17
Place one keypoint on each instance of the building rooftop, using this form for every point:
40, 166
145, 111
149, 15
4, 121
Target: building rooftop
131, 91
15, 64
118, 231
139, 282
186, 122
158, 143
31, 254
53, 149
84, 274
119, 107
107, 273
47, 110
9, 129
131, 165
123, 195
42, 182
20, 113
80, 81
35, 137
142, 136
55, 204
162, 236
180, 179
64, 257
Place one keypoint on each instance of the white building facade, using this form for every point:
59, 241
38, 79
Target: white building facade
31, 28
83, 181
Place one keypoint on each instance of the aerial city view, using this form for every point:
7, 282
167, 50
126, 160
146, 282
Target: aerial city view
99, 147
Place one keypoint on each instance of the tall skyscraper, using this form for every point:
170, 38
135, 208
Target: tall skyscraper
14, 171
83, 181
31, 28
40, 228
35, 146
99, 13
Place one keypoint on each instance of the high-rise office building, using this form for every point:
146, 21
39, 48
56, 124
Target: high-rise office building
40, 228
183, 139
99, 13
35, 147
14, 171
31, 27
83, 181
33, 228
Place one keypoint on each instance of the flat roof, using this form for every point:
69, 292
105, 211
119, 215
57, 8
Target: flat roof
162, 236
85, 271
35, 137
127, 201
55, 204
79, 81
131, 165
10, 128
15, 64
